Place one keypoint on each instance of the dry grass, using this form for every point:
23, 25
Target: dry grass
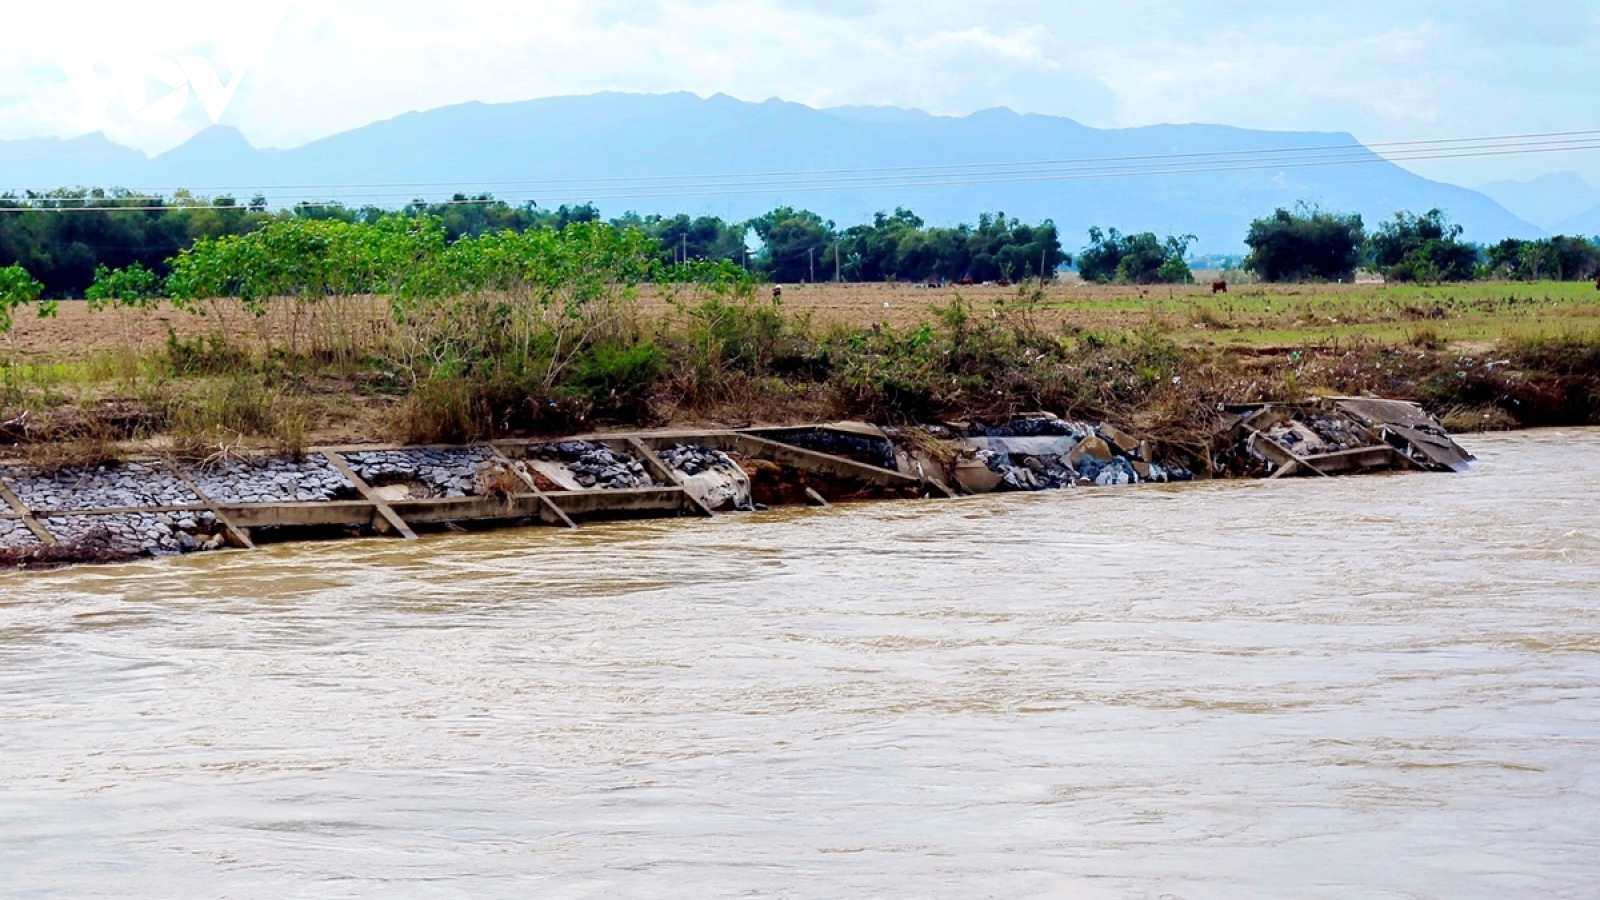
1157, 357
1250, 316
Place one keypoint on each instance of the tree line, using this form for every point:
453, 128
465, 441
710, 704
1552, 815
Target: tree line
1312, 244
63, 238
114, 230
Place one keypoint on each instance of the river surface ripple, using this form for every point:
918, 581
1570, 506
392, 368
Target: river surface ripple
1369, 687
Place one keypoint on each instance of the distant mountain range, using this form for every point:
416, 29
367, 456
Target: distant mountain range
1560, 203
620, 143
1587, 224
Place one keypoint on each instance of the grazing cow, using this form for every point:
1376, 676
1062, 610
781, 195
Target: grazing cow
1219, 287
777, 292
1597, 284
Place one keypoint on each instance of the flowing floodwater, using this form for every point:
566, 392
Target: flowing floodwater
1367, 687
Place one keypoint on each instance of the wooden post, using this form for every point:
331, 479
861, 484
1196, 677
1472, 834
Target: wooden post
561, 518
238, 538
386, 515
662, 471
21, 509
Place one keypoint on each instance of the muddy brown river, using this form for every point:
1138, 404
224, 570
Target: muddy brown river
1381, 687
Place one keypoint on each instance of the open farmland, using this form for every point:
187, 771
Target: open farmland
1249, 316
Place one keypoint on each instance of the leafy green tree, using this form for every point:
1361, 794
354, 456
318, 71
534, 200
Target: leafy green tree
872, 252
795, 245
1004, 248
536, 308
899, 247
1174, 269
1428, 247
1561, 258
18, 289
1137, 258
134, 287
306, 262
63, 237
683, 238
1308, 244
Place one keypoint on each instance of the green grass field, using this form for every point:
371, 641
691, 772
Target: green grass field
1476, 315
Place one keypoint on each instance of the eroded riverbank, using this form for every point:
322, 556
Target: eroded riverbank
111, 511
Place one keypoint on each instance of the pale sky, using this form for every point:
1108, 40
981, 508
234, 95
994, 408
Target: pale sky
1384, 71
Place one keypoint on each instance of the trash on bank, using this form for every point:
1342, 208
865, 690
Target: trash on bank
1338, 436
1041, 452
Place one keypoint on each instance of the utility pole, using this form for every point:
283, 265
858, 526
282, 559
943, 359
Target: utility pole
837, 270
811, 258
686, 248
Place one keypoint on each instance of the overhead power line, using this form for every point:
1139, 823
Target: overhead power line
550, 192
1398, 147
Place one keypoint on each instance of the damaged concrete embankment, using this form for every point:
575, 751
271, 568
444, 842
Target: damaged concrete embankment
166, 506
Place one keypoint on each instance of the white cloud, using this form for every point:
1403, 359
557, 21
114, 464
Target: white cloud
1381, 70
1019, 46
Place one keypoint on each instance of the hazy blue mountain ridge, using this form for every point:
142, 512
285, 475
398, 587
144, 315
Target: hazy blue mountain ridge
1549, 201
1586, 224
629, 138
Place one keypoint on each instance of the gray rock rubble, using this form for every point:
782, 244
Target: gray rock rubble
431, 474
692, 459
14, 535
142, 533
595, 465
132, 485
277, 479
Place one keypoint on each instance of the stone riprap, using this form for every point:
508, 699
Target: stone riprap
276, 479
594, 465
141, 533
15, 535
430, 473
133, 485
692, 459
874, 451
710, 476
84, 514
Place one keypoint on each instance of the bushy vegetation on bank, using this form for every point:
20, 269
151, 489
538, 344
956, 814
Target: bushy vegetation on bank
543, 331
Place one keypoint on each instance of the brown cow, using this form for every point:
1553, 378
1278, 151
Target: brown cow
777, 292
1597, 284
1219, 287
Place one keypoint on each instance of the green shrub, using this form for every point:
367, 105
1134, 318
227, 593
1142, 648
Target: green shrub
211, 354
619, 380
